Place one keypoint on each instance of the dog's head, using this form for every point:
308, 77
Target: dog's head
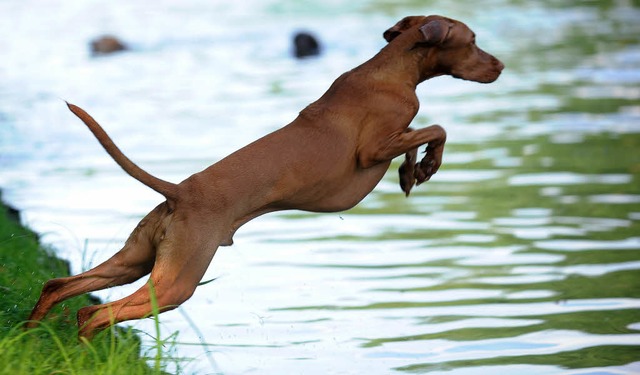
452, 44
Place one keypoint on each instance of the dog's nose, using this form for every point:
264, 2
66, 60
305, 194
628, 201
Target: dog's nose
499, 65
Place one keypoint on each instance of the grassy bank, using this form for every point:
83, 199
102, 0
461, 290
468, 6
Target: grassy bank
53, 347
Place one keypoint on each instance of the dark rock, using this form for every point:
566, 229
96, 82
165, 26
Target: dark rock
305, 45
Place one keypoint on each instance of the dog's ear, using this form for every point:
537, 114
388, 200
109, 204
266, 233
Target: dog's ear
435, 32
390, 34
402, 25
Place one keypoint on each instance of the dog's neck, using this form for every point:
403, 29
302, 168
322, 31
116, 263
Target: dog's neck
404, 60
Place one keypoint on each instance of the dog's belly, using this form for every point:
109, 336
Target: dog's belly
327, 196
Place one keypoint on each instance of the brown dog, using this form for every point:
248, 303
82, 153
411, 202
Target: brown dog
328, 159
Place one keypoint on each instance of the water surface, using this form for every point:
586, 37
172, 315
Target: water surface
522, 255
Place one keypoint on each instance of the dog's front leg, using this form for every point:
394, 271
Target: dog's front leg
407, 143
431, 162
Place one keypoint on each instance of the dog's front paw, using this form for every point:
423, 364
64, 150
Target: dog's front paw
407, 177
429, 165
407, 171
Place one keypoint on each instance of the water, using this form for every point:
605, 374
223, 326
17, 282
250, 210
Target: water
520, 256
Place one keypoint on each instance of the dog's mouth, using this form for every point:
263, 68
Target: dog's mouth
493, 68
487, 75
490, 78
499, 67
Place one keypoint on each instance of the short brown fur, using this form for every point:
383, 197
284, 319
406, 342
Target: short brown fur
328, 159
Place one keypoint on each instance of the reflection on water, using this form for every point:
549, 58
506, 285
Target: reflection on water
521, 256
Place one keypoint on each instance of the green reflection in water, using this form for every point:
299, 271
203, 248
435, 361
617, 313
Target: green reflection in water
602, 212
578, 228
601, 356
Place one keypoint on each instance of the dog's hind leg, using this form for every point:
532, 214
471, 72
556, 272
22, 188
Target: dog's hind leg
174, 278
134, 261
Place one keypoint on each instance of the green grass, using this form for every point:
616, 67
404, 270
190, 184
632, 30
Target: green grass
53, 347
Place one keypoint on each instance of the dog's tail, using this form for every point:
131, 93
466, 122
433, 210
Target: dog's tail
168, 189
